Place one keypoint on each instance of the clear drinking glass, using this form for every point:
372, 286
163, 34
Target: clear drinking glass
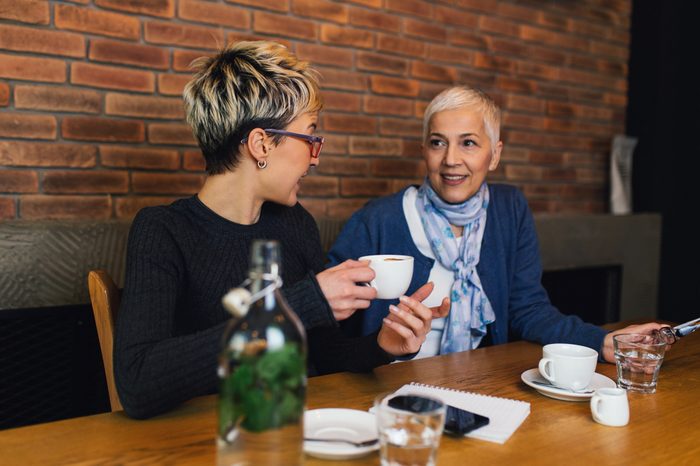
638, 358
410, 427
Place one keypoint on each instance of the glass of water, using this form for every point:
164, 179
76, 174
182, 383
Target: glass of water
638, 358
410, 427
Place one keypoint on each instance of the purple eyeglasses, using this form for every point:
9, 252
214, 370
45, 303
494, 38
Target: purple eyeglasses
315, 142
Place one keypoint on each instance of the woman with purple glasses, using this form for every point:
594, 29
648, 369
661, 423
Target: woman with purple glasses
253, 109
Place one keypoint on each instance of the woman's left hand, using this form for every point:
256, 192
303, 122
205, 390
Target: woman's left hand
646, 329
403, 331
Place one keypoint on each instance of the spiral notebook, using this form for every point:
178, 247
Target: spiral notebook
505, 415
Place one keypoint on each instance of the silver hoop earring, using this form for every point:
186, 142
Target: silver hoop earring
262, 164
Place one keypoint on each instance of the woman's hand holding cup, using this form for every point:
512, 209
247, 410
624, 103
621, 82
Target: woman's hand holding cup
343, 287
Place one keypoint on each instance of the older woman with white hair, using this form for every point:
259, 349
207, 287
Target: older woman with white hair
476, 241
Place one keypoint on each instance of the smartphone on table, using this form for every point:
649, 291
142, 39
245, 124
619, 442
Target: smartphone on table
457, 421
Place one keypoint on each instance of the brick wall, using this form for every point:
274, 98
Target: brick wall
91, 120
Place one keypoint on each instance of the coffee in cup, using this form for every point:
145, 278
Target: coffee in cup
568, 366
392, 274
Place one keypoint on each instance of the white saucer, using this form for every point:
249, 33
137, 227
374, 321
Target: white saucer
597, 381
348, 424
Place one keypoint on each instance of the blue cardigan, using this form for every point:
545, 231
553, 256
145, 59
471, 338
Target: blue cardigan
509, 268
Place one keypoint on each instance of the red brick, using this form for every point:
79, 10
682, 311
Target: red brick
4, 94
412, 148
102, 129
110, 77
286, 26
578, 110
160, 183
370, 3
364, 187
588, 29
25, 126
8, 208
333, 34
343, 166
507, 46
552, 21
62, 99
344, 208
398, 168
468, 39
277, 5
32, 69
494, 62
162, 8
343, 101
487, 6
129, 54
52, 154
401, 127
342, 79
499, 26
381, 62
528, 68
337, 144
193, 160
39, 207
591, 175
182, 59
139, 157
400, 45
128, 207
321, 9
212, 13
344, 123
173, 84
511, 119
24, 39
527, 103
456, 17
617, 100
375, 146
325, 55
477, 78
412, 7
611, 50
316, 207
558, 174
144, 106
542, 157
85, 181
26, 11
446, 53
420, 69
425, 30
518, 12
319, 186
523, 172
232, 37
96, 22
375, 20
378, 105
18, 181
549, 37
523, 86
394, 86
170, 134
188, 36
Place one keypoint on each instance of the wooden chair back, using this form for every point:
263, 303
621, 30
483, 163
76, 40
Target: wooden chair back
105, 298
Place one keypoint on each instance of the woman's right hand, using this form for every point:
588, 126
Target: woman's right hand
342, 286
404, 330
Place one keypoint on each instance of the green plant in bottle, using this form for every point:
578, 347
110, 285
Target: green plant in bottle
263, 370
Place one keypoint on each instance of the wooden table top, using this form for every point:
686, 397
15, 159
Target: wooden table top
663, 427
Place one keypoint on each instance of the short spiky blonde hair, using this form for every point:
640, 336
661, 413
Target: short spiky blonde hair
457, 97
245, 86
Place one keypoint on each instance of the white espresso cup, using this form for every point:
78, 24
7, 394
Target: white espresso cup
392, 274
568, 366
610, 407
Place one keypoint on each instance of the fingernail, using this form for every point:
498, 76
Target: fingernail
403, 299
393, 309
386, 321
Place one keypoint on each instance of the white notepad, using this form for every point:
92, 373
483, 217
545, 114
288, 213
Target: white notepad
505, 415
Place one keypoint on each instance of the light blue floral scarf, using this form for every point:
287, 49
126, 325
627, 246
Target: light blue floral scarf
470, 309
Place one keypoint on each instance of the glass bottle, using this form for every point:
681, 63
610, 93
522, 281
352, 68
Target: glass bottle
262, 368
